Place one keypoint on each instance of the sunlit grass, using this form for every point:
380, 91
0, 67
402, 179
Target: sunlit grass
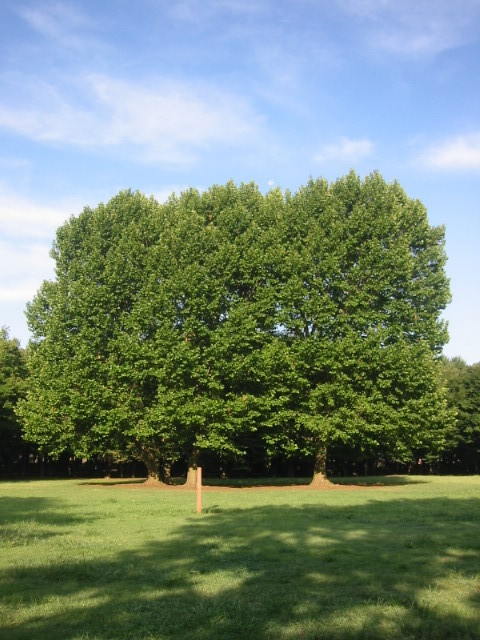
101, 561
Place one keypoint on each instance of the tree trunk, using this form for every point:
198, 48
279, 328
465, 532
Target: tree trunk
151, 461
108, 466
320, 467
166, 472
193, 463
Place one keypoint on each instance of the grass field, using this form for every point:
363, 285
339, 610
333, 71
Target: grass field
85, 561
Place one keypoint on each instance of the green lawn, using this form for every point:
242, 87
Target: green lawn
82, 561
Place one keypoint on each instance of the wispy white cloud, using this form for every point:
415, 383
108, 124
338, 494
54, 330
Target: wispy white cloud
345, 149
24, 267
49, 115
197, 9
27, 230
283, 64
457, 153
171, 120
163, 121
59, 22
21, 217
9, 162
18, 293
412, 28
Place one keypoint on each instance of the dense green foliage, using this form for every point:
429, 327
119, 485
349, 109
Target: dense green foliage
117, 562
12, 387
230, 320
463, 385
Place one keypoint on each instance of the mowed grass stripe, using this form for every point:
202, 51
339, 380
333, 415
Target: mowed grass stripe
83, 561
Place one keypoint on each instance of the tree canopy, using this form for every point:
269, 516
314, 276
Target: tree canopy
217, 321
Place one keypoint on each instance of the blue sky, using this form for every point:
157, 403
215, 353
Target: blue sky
160, 95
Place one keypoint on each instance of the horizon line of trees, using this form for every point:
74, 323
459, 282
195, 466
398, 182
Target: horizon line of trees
22, 459
235, 329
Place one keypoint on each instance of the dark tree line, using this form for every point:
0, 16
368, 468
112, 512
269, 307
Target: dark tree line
240, 330
13, 384
463, 393
461, 453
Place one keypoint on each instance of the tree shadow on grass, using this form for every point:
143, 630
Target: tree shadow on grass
387, 481
25, 519
397, 570
110, 483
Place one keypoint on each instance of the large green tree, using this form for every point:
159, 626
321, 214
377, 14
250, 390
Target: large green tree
146, 340
360, 294
218, 319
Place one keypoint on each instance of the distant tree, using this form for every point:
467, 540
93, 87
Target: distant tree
471, 424
12, 388
463, 393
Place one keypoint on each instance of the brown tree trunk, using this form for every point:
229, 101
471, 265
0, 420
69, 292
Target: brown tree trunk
193, 463
166, 472
151, 461
320, 467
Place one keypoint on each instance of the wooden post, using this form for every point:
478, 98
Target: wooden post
199, 489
